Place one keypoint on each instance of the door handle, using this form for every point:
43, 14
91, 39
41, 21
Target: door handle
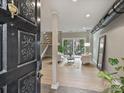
13, 9
39, 75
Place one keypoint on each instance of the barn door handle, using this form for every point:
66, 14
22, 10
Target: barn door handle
13, 9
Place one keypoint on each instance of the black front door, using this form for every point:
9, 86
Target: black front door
19, 47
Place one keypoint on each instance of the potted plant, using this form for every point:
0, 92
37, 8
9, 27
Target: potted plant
115, 81
61, 48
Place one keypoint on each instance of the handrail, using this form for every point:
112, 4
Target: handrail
44, 51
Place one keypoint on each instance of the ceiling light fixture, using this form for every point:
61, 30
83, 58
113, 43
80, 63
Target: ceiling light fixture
74, 0
87, 44
88, 15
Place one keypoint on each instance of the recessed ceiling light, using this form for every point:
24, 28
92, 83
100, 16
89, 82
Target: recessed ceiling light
74, 0
88, 15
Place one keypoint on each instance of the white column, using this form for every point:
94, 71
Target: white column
55, 83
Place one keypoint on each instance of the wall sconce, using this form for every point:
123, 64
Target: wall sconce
86, 44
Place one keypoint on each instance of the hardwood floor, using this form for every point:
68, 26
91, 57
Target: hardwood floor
62, 89
75, 75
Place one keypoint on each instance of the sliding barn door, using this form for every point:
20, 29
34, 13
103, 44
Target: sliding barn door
19, 47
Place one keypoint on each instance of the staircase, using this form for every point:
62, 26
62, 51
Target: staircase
46, 44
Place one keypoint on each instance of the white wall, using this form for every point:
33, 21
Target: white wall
75, 35
114, 42
46, 16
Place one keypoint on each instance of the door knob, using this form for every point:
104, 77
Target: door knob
13, 9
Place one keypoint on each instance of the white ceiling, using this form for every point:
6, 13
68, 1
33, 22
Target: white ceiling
72, 15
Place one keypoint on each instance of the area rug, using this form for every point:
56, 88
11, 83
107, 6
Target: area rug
63, 89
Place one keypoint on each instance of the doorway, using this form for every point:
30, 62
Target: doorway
73, 73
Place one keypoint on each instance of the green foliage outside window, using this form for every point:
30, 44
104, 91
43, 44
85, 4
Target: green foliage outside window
80, 48
61, 48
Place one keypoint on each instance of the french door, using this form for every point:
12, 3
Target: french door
19, 47
74, 46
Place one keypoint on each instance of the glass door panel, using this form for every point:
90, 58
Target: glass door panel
68, 45
79, 46
74, 46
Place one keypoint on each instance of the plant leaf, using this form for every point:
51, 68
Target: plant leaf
122, 58
122, 88
118, 68
122, 80
116, 89
105, 75
123, 68
113, 61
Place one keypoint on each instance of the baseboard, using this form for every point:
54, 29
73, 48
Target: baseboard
47, 57
55, 86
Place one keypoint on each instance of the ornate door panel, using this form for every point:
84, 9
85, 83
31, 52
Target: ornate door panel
28, 10
19, 39
26, 47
